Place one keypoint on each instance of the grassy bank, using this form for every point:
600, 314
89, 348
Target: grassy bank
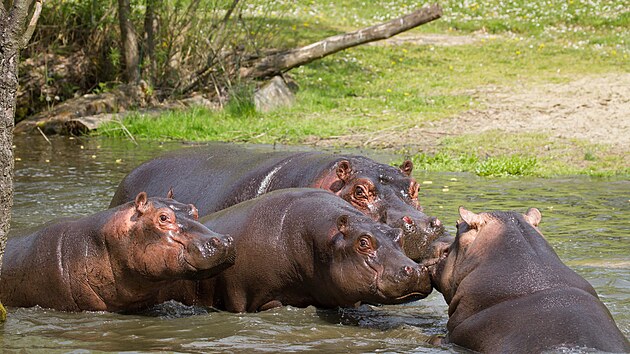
358, 93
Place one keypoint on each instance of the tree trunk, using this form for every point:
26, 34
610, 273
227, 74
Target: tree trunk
129, 42
281, 62
150, 30
15, 34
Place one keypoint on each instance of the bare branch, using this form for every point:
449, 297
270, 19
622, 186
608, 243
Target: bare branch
218, 42
228, 14
282, 62
31, 25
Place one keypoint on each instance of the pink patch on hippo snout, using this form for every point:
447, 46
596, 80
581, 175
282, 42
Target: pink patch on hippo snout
216, 242
409, 225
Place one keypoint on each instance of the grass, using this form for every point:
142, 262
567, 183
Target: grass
501, 166
368, 89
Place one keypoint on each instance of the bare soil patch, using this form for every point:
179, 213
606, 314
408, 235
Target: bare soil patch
595, 109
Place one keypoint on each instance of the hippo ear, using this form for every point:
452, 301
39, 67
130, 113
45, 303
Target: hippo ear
344, 170
473, 220
533, 216
406, 168
342, 224
193, 211
170, 193
141, 202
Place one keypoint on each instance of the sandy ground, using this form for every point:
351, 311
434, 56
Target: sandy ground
595, 109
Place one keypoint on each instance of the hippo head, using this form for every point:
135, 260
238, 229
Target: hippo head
473, 245
165, 241
389, 195
368, 264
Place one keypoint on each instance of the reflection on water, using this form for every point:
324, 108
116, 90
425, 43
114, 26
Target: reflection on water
586, 220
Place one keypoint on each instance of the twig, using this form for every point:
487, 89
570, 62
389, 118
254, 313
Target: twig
216, 88
127, 132
44, 135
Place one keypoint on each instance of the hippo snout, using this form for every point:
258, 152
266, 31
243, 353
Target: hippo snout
215, 246
407, 271
431, 222
224, 242
416, 272
418, 234
408, 224
211, 255
408, 283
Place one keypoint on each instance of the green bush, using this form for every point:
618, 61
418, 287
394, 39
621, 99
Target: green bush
506, 166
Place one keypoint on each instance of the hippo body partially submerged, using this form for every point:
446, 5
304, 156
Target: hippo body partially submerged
508, 292
115, 260
219, 176
304, 247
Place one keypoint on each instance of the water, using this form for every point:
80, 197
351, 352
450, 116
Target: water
586, 220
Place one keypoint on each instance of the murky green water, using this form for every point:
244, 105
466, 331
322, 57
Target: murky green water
586, 220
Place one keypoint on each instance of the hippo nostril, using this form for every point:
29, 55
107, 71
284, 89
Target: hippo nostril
215, 242
435, 222
407, 270
407, 220
229, 240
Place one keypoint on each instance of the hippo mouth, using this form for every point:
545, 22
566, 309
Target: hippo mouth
412, 296
209, 265
406, 297
409, 297
198, 273
415, 290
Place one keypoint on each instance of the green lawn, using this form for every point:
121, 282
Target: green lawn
376, 87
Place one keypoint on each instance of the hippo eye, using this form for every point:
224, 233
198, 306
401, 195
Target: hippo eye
163, 218
365, 244
359, 192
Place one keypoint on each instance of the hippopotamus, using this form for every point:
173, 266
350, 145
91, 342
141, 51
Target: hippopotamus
302, 247
115, 260
219, 176
509, 292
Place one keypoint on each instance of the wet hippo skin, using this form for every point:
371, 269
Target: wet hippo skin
508, 292
219, 176
115, 260
304, 247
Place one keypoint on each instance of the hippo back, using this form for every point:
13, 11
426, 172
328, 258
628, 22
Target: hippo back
114, 260
508, 291
214, 178
59, 251
219, 176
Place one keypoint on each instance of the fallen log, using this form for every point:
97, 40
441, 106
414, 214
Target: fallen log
279, 63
